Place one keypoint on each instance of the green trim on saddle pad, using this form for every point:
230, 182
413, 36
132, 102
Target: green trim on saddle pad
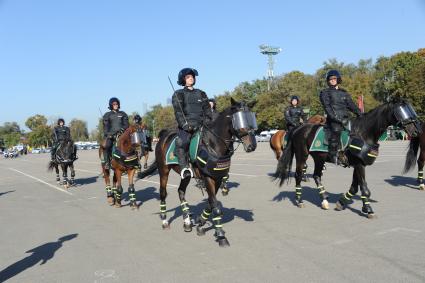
319, 144
171, 158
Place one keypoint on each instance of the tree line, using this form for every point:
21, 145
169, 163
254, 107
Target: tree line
41, 133
401, 74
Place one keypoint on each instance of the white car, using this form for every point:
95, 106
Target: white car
36, 150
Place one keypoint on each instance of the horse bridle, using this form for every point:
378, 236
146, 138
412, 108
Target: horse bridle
236, 137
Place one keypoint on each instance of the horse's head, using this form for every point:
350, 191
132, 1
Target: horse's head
405, 116
134, 135
244, 124
64, 153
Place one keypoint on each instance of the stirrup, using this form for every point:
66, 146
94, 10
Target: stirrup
182, 173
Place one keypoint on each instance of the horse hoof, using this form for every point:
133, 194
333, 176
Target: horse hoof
225, 192
422, 187
371, 216
111, 200
339, 206
134, 207
301, 205
325, 205
200, 231
165, 225
118, 205
223, 243
187, 227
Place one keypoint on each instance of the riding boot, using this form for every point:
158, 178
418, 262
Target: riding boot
185, 171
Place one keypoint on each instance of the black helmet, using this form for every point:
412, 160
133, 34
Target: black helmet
61, 120
112, 100
295, 97
333, 73
137, 119
183, 73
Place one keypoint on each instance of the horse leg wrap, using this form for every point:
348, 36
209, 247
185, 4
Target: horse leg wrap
346, 198
420, 177
163, 210
217, 221
118, 193
322, 192
132, 195
366, 205
58, 178
185, 209
109, 192
204, 216
298, 194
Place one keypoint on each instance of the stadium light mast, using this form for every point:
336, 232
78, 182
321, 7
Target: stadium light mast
270, 51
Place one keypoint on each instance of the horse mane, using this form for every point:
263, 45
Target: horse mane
125, 138
372, 124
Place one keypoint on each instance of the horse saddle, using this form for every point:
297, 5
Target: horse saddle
171, 158
320, 141
199, 155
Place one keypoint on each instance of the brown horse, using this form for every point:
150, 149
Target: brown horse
124, 159
235, 124
411, 155
278, 139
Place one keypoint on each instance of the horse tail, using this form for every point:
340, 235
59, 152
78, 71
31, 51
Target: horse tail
51, 166
151, 169
411, 155
285, 163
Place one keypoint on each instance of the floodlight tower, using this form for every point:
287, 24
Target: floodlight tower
270, 51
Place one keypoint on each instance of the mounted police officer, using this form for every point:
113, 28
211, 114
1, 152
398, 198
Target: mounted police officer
115, 122
191, 109
61, 133
213, 106
337, 103
294, 114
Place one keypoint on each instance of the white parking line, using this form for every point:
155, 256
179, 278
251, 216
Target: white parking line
41, 181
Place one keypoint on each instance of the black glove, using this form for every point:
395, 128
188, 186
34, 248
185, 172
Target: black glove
344, 121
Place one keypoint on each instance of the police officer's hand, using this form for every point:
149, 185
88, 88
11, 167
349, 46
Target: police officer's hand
344, 121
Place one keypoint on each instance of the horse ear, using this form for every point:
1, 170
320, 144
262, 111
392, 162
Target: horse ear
232, 101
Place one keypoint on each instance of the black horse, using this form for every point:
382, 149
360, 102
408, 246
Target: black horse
65, 158
411, 155
362, 150
234, 124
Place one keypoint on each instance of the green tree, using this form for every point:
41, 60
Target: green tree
36, 121
40, 136
78, 129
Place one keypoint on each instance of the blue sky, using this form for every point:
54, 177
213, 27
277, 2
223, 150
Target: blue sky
67, 58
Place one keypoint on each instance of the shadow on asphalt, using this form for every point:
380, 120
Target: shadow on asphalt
86, 181
3, 193
403, 181
41, 253
229, 214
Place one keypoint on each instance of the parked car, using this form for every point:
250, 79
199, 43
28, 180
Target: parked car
36, 150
